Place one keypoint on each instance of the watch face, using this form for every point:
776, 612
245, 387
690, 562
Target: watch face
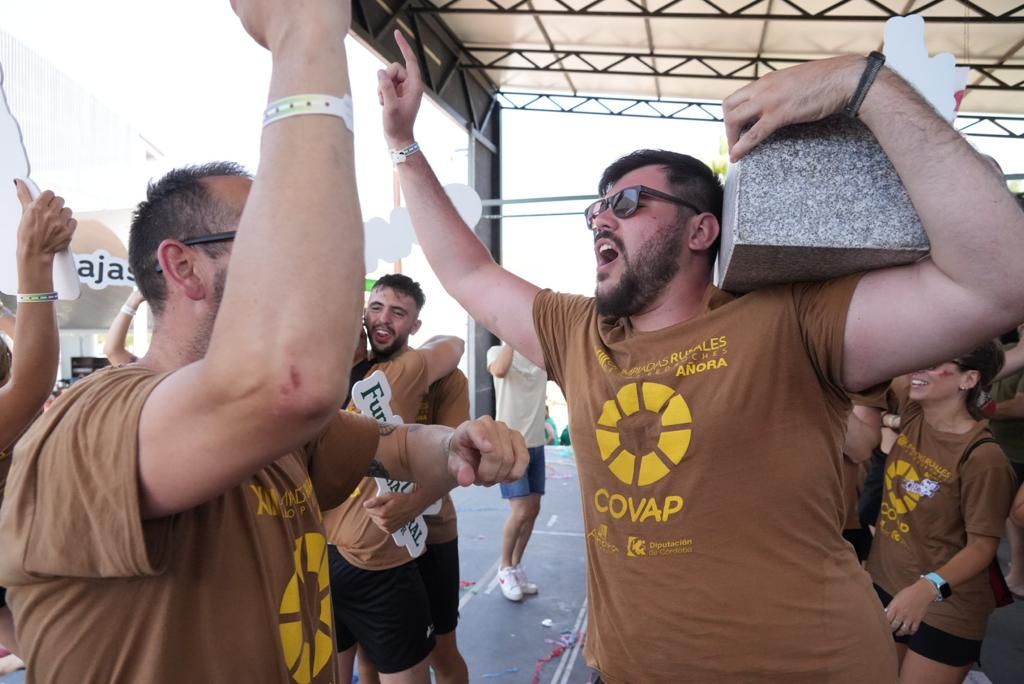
945, 590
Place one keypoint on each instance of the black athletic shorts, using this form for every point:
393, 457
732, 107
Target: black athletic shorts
439, 566
935, 644
386, 611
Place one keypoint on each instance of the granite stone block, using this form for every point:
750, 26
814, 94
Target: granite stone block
813, 202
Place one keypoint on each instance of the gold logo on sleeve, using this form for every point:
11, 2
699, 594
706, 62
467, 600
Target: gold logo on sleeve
644, 432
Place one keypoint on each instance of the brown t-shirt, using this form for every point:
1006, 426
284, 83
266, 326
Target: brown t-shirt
854, 475
446, 403
709, 462
349, 526
233, 590
5, 467
929, 504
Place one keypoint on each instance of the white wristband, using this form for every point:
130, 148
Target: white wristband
401, 156
297, 105
128, 311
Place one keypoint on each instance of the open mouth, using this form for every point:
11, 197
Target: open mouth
606, 251
382, 336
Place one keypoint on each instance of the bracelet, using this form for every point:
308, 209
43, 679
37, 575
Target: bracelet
875, 62
128, 311
401, 156
297, 105
37, 297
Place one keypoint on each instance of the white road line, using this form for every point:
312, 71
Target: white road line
475, 589
552, 520
577, 647
561, 675
555, 533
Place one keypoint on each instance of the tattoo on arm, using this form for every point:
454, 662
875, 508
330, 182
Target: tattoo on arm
377, 469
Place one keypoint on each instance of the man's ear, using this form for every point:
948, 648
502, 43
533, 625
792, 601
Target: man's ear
416, 326
704, 233
179, 268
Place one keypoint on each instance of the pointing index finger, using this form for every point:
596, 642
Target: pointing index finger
412, 64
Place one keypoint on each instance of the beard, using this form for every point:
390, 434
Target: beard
384, 352
646, 276
201, 340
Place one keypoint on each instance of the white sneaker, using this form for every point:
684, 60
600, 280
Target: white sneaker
509, 584
525, 585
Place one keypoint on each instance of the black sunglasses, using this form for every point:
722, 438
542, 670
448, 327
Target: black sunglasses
203, 240
625, 202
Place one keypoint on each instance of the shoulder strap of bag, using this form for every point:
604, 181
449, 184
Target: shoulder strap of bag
970, 449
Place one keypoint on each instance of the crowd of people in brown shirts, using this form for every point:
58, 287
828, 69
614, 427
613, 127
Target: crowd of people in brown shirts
708, 428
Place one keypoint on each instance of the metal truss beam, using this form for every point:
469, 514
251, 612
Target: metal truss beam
466, 94
976, 125
1002, 77
936, 11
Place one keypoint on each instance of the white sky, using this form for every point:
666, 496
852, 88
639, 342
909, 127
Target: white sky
191, 81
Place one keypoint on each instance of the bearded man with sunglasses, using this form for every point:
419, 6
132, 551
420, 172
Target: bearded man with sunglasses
709, 429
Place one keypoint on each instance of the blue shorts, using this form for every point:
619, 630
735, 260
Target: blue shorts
530, 483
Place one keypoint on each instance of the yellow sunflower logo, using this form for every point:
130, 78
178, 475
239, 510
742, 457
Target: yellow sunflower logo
644, 432
907, 501
307, 654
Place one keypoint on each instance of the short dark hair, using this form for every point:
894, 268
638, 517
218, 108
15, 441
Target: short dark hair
403, 284
690, 178
988, 361
5, 362
177, 206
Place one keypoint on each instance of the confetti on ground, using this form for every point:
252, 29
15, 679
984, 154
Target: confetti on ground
547, 622
495, 675
553, 474
566, 641
465, 584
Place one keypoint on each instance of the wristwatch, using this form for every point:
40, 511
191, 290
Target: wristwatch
942, 589
400, 156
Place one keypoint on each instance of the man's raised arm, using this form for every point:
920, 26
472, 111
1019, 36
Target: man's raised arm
501, 301
906, 318
268, 381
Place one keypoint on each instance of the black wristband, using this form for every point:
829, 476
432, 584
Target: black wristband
875, 62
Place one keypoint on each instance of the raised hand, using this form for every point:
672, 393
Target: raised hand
46, 226
270, 22
799, 94
400, 90
485, 452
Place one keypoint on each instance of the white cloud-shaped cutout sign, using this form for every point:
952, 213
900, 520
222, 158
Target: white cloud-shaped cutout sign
391, 240
937, 79
14, 164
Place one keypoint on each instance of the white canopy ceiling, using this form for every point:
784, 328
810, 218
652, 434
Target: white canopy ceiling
706, 49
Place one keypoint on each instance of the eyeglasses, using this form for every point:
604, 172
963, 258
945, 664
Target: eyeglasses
203, 240
625, 202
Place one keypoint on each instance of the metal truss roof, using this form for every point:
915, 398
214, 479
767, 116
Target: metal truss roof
660, 54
